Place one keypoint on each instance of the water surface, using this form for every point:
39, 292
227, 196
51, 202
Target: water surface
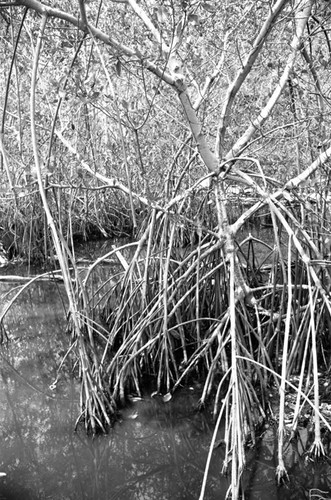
157, 450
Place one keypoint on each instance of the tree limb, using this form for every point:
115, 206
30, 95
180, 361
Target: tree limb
243, 72
148, 23
302, 16
83, 12
118, 47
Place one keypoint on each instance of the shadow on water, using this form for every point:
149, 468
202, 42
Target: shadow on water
157, 451
307, 479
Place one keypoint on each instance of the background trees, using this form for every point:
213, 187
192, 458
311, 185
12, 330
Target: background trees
147, 86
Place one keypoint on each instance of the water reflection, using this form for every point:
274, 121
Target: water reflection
157, 451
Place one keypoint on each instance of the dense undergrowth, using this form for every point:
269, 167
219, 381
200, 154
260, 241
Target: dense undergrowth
175, 306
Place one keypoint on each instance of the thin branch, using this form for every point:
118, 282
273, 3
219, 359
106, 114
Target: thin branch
302, 16
121, 133
148, 23
290, 185
244, 71
313, 71
118, 47
12, 65
212, 79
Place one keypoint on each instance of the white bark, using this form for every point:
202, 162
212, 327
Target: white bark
303, 10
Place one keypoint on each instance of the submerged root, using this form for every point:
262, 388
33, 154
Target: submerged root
225, 466
281, 474
3, 334
316, 450
316, 494
98, 414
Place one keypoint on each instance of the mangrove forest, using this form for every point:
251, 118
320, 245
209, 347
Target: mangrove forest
193, 136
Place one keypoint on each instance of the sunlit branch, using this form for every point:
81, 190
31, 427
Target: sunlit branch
83, 12
302, 16
118, 47
148, 23
243, 72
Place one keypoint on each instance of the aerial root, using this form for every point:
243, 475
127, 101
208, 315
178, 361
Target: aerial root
281, 474
316, 450
316, 494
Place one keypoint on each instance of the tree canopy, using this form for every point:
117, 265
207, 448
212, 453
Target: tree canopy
155, 95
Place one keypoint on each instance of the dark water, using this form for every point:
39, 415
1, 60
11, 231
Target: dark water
157, 451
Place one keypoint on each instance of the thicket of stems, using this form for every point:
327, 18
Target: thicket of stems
230, 309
